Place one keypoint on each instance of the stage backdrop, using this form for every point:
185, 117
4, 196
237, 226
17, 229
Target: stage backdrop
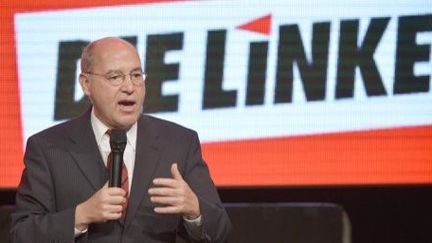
281, 92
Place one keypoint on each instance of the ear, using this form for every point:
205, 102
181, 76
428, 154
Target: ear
85, 84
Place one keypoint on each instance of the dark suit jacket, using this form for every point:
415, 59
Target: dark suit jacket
63, 167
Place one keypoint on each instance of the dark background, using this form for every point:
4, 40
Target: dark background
378, 214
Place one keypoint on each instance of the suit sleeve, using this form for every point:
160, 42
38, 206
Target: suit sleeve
36, 218
215, 222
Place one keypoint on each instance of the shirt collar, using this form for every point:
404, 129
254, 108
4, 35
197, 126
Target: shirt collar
99, 129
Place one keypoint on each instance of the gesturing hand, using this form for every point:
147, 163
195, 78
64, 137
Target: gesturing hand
174, 196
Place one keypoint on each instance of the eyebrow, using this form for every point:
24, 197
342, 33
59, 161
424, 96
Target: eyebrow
119, 71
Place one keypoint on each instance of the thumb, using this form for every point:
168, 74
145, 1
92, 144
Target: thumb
175, 172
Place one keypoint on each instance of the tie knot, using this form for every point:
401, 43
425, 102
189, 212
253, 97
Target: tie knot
108, 132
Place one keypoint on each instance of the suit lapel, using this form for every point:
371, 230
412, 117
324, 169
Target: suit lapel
85, 151
146, 160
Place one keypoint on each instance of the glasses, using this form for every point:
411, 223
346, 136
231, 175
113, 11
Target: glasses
118, 78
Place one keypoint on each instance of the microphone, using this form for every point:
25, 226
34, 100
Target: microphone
118, 144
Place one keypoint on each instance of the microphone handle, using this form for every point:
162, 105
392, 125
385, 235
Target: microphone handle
115, 170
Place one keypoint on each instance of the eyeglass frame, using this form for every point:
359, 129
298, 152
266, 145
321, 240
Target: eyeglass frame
134, 81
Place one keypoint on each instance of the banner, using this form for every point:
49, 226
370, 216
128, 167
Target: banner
280, 93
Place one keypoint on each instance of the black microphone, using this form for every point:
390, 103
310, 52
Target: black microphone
118, 144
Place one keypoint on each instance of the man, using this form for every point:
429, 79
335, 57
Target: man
63, 195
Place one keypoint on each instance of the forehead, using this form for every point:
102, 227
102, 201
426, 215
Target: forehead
115, 56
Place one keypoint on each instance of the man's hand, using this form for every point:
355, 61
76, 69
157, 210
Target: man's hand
106, 204
174, 196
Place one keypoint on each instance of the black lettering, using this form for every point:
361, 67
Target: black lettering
313, 74
131, 39
256, 73
408, 53
160, 72
214, 95
65, 106
352, 56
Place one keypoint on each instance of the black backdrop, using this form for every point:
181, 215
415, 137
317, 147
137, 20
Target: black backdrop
385, 214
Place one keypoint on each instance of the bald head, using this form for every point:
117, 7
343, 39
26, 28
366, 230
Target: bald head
117, 105
87, 56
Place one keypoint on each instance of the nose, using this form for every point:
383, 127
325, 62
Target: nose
127, 86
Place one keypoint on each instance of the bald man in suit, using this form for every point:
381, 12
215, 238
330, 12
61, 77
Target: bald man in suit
63, 195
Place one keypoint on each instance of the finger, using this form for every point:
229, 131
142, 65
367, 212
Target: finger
113, 208
109, 212
116, 191
113, 216
167, 210
175, 172
116, 200
162, 191
171, 201
165, 182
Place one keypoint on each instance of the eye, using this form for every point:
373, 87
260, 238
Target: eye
115, 78
136, 75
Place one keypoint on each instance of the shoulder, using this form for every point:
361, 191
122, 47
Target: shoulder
59, 132
165, 127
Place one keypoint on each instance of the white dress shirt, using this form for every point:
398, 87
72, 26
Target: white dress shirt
102, 140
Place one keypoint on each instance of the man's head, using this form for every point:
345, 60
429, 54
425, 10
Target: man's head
117, 102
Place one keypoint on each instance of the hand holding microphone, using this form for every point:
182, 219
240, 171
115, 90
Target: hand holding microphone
107, 203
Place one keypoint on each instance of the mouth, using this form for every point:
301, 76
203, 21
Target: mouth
127, 105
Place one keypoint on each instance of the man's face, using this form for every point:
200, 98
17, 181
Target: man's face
116, 106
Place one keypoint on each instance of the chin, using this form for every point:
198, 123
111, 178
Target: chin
127, 122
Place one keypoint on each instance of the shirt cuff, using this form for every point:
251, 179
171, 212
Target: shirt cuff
194, 227
78, 232
194, 222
